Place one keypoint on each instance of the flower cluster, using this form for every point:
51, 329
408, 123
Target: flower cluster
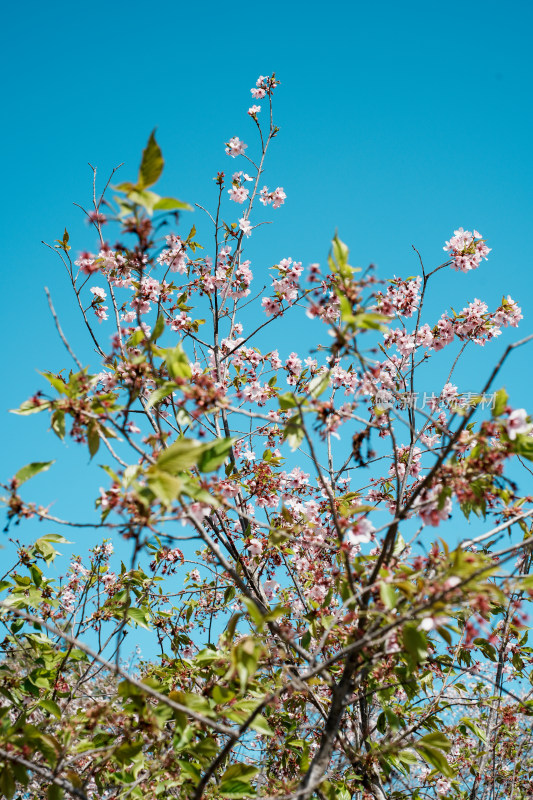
174, 256
474, 323
235, 147
401, 298
286, 286
467, 249
277, 197
238, 192
265, 84
434, 506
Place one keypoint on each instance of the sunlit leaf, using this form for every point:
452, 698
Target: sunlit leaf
151, 164
27, 472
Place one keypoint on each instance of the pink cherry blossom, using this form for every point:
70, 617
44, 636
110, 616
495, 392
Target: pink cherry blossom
270, 306
428, 506
174, 256
277, 197
180, 322
254, 547
517, 423
402, 297
361, 533
430, 623
271, 588
100, 312
238, 193
87, 263
509, 313
449, 393
467, 249
260, 89
245, 227
443, 786
235, 147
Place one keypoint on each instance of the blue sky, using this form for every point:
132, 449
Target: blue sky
399, 122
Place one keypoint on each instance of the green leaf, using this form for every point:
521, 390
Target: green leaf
400, 543
319, 384
436, 739
278, 536
151, 163
177, 362
126, 752
45, 549
254, 612
51, 707
139, 616
144, 198
30, 407
172, 204
54, 537
436, 758
136, 338
215, 455
294, 433
286, 401
415, 642
260, 725
500, 402
370, 320
93, 438
192, 488
474, 728
7, 783
190, 770
206, 747
388, 594
159, 327
340, 251
160, 394
206, 656
222, 695
56, 381
229, 594
187, 453
523, 446
181, 455
166, 487
58, 423
346, 308
488, 650
407, 757
27, 472
235, 789
338, 259
242, 771
235, 781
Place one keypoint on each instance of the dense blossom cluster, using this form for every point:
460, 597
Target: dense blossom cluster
277, 197
401, 298
474, 323
467, 249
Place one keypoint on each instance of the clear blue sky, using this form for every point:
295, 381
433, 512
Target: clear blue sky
399, 122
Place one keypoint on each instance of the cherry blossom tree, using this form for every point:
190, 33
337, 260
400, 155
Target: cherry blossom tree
324, 622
